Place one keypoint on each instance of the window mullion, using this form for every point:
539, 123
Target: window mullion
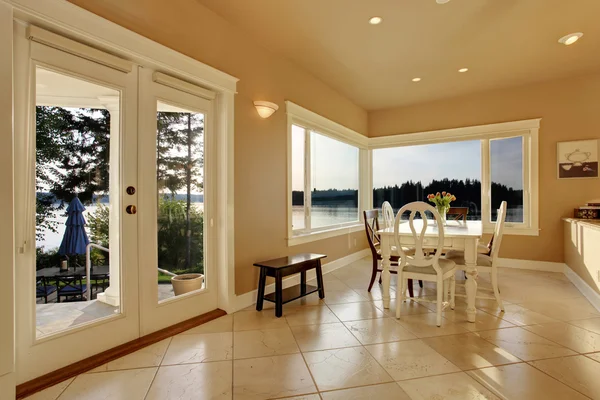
486, 184
307, 180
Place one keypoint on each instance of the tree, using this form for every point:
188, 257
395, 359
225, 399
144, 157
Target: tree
180, 158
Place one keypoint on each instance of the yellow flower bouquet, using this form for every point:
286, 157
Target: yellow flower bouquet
442, 202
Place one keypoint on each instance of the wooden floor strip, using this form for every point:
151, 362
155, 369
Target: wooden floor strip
50, 379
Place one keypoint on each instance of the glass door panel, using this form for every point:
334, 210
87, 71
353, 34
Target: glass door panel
180, 189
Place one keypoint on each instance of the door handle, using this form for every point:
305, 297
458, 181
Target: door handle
131, 209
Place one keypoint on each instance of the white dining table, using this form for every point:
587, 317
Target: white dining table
458, 235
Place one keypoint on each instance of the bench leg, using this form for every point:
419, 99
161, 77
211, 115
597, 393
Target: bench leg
303, 282
261, 289
320, 280
278, 294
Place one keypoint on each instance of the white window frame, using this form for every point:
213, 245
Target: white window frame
310, 121
528, 129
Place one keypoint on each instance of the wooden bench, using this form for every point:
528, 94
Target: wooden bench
285, 266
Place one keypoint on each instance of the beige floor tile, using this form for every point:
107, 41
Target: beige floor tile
563, 309
573, 337
342, 297
131, 384
309, 316
518, 315
424, 325
592, 324
193, 382
407, 308
525, 344
52, 392
271, 377
483, 320
331, 284
523, 382
468, 351
253, 320
222, 324
375, 293
323, 337
150, 356
268, 342
410, 359
356, 311
344, 368
386, 391
594, 356
310, 300
200, 347
578, 372
457, 386
378, 330
304, 397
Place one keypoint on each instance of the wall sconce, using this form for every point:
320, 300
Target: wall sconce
265, 108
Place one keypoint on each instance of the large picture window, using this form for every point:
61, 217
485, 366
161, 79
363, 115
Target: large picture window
480, 170
325, 181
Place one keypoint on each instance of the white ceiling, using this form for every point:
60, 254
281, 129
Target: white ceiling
502, 42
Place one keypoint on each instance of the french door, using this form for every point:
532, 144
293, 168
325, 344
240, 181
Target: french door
75, 156
114, 201
175, 204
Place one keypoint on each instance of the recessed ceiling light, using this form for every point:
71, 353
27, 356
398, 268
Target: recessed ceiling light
416, 79
375, 20
442, 1
463, 70
570, 38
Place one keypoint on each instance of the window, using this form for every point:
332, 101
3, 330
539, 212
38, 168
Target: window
491, 164
325, 176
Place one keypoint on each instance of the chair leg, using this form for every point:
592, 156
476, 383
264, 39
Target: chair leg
496, 289
411, 294
446, 285
452, 291
421, 284
440, 288
401, 294
373, 275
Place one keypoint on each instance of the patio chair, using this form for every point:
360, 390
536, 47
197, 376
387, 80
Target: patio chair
100, 281
43, 289
70, 287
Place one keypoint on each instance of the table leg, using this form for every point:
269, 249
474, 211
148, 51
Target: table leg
278, 294
471, 272
385, 265
261, 289
320, 280
303, 282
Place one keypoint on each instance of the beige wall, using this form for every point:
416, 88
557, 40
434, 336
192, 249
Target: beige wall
570, 110
260, 145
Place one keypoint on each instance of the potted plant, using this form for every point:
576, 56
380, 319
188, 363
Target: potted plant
442, 202
186, 283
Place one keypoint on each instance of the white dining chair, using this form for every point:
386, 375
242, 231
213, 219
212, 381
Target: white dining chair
421, 265
388, 214
486, 263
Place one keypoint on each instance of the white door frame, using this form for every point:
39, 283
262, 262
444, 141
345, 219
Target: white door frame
69, 20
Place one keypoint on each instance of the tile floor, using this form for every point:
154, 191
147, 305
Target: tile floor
546, 345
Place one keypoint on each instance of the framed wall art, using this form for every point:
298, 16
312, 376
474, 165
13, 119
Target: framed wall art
578, 159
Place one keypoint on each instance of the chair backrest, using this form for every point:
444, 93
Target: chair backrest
498, 230
371, 228
72, 283
420, 259
388, 214
459, 213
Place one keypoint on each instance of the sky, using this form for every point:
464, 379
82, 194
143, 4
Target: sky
335, 162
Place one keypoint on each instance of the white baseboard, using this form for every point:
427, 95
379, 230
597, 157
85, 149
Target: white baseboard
534, 265
247, 299
585, 289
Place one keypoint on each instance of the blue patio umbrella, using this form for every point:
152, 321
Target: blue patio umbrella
75, 238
